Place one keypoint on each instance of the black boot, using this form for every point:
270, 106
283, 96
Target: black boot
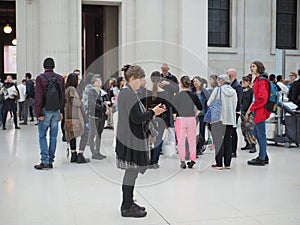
253, 149
267, 159
248, 146
64, 136
133, 211
182, 164
81, 159
191, 164
256, 162
74, 157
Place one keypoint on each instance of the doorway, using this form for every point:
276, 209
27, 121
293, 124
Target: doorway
8, 64
100, 32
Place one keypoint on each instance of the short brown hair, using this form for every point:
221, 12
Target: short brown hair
133, 71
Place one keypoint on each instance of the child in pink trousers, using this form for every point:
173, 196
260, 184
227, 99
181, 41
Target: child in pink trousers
186, 105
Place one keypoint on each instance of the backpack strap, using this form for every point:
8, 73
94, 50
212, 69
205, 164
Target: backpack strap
48, 78
263, 78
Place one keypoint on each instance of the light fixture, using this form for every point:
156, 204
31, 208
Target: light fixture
14, 41
7, 29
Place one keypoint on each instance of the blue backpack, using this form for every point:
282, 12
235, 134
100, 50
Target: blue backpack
274, 96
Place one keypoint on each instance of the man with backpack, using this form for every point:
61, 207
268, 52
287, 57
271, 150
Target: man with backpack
49, 100
294, 93
29, 98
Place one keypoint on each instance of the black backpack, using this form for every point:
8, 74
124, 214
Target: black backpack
54, 99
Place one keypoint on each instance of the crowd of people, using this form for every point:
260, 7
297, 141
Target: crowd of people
140, 115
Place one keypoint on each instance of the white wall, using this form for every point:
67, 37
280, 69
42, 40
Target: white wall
254, 39
169, 31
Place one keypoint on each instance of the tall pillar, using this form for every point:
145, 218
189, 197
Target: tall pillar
21, 12
54, 33
171, 35
194, 37
149, 34
48, 29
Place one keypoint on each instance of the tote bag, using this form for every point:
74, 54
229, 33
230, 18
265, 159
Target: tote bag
169, 143
214, 111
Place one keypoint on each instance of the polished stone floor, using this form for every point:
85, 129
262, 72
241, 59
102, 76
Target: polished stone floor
89, 194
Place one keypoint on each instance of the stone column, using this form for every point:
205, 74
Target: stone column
21, 12
194, 37
54, 33
48, 29
149, 34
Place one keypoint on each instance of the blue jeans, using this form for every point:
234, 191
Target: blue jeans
51, 121
259, 133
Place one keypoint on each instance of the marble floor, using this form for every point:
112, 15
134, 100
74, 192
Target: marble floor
89, 194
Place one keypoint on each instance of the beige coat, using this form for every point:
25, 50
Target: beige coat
73, 111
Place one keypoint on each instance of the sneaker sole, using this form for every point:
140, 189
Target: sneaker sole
135, 216
42, 168
253, 164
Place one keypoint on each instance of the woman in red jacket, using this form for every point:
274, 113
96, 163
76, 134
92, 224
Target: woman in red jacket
261, 114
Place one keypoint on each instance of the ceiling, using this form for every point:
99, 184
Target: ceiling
7, 13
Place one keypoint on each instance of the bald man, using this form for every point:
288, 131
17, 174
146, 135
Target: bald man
232, 73
170, 84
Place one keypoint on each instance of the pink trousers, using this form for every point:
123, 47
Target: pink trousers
185, 127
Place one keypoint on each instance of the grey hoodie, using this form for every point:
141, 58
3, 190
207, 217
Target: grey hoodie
229, 103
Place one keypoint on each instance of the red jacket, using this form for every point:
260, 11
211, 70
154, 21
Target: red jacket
261, 96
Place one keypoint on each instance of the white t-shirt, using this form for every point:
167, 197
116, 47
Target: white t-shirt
22, 90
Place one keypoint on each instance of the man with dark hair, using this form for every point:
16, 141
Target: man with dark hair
272, 79
11, 93
48, 118
294, 93
232, 73
284, 89
29, 98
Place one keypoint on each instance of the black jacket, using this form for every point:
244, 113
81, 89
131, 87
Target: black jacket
96, 108
171, 88
30, 89
132, 147
239, 91
246, 101
7, 86
150, 103
294, 93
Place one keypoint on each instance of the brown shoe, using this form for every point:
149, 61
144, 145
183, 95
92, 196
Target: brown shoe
23, 123
43, 166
